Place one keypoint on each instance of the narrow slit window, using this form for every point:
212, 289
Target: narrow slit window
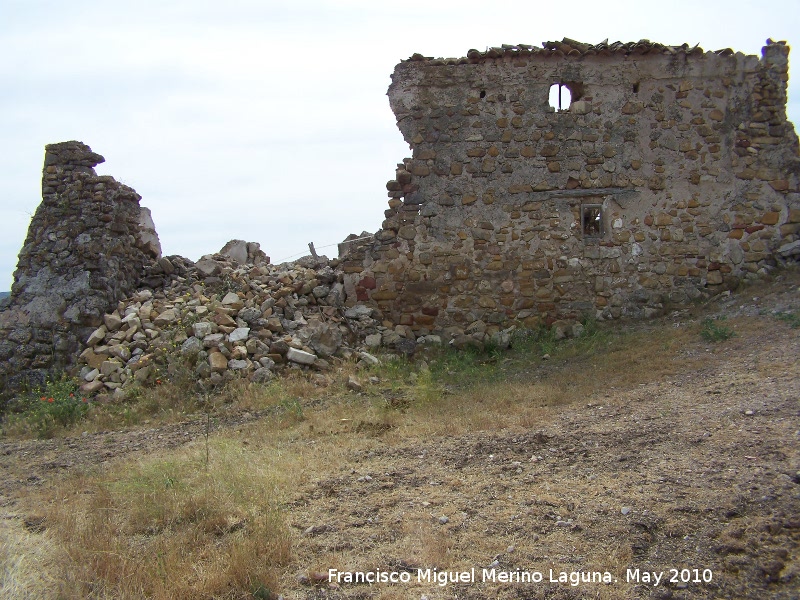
592, 220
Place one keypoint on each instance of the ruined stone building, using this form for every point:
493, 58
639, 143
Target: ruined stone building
666, 173
659, 174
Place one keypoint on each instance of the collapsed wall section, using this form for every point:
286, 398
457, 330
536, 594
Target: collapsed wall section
667, 174
87, 247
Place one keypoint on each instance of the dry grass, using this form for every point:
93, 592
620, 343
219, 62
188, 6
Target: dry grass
168, 527
452, 394
31, 563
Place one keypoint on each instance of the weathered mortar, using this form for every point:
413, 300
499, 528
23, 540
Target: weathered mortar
87, 247
688, 154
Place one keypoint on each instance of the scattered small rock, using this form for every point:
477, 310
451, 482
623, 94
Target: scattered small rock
561, 523
300, 356
315, 530
354, 384
368, 358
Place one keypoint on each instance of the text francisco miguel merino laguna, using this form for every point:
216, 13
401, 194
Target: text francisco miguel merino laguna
443, 578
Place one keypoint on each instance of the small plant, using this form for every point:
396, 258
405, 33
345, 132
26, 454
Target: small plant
591, 327
462, 367
425, 389
393, 371
791, 318
229, 284
538, 341
261, 592
43, 410
713, 331
293, 408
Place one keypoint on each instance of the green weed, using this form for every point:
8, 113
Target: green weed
464, 367
425, 388
392, 368
539, 341
792, 318
712, 331
293, 408
46, 409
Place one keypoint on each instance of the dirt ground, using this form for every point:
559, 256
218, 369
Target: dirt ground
687, 487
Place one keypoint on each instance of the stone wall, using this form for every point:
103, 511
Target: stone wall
87, 247
671, 174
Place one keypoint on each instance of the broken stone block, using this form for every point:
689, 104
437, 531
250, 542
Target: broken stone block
218, 362
97, 336
369, 358
165, 318
202, 329
112, 321
300, 357
262, 375
239, 334
354, 384
191, 347
232, 300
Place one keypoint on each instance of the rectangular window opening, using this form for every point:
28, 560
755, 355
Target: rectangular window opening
592, 220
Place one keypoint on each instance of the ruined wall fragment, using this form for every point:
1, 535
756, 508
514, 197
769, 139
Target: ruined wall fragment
86, 248
671, 174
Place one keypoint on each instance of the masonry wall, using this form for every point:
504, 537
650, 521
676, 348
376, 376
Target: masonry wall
87, 247
688, 154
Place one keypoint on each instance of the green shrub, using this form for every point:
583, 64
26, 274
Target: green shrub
538, 341
712, 331
789, 317
43, 410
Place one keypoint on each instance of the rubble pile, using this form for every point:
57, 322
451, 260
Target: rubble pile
234, 315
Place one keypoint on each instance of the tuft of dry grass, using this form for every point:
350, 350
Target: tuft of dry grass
174, 527
31, 564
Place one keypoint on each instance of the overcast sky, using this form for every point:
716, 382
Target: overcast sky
268, 121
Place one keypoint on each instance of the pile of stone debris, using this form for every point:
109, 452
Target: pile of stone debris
234, 315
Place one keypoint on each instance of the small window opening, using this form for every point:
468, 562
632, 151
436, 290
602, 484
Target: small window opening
636, 88
560, 96
483, 93
592, 220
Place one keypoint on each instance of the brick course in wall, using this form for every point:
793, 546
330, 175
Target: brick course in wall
671, 174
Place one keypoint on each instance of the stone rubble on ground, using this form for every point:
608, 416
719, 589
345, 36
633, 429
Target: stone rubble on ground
234, 315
